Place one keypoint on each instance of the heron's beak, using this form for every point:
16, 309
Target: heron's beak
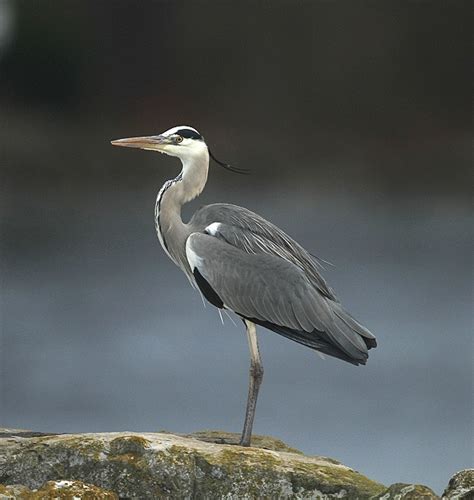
152, 142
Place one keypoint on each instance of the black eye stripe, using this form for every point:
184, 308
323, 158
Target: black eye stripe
187, 133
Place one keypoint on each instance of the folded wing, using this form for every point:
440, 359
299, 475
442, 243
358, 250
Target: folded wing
269, 288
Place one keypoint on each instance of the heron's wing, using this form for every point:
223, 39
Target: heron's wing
275, 293
252, 233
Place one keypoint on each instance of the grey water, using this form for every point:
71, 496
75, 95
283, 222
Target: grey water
101, 332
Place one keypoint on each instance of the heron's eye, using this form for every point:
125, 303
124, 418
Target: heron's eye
178, 139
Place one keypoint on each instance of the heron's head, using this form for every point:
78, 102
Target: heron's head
183, 141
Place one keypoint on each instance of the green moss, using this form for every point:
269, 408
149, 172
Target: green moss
177, 454
247, 459
58, 490
404, 491
80, 444
258, 441
331, 479
129, 458
254, 473
132, 444
72, 490
16, 492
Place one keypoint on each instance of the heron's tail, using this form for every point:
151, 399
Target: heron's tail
344, 339
349, 322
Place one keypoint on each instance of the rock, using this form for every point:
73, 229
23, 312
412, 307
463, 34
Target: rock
13, 491
265, 442
204, 465
461, 486
60, 490
402, 491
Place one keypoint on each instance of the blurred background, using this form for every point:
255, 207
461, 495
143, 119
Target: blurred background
355, 119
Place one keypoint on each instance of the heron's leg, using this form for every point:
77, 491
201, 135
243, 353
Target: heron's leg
256, 376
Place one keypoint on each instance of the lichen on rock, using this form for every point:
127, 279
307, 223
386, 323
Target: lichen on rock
207, 465
57, 490
402, 491
461, 486
264, 442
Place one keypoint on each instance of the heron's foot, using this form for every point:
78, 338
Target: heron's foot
218, 437
244, 441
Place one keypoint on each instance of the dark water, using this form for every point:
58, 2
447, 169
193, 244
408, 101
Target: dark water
100, 332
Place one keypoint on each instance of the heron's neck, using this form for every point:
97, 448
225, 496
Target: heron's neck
172, 231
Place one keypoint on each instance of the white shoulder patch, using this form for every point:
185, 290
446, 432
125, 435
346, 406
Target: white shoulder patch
193, 259
213, 228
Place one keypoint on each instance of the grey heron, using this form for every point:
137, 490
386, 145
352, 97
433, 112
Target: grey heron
242, 263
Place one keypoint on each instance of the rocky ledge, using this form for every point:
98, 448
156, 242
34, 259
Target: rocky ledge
202, 465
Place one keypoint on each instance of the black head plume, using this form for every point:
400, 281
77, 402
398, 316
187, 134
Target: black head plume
236, 170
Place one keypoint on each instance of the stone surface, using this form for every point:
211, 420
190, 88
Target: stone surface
60, 490
203, 465
461, 486
13, 491
265, 442
402, 491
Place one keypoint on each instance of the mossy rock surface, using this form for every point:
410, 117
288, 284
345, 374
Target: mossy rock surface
402, 491
163, 465
58, 490
461, 486
264, 442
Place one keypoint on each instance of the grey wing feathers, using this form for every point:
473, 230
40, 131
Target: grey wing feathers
245, 229
277, 294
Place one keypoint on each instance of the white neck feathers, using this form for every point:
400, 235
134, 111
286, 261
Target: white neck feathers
173, 195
